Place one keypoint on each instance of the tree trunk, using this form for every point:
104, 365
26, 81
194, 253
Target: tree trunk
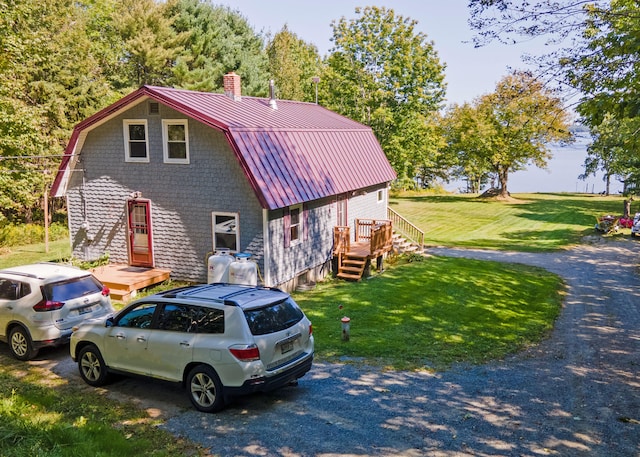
608, 184
503, 177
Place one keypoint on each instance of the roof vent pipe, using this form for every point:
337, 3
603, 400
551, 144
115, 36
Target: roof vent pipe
272, 96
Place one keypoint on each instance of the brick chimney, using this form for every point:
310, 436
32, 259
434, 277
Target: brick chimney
232, 87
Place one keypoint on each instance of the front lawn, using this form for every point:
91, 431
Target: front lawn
430, 314
529, 222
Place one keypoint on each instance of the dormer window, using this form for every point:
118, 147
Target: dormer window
136, 140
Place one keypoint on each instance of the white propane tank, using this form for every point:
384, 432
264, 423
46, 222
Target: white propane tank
218, 266
242, 271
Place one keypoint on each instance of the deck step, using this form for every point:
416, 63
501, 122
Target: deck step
124, 281
122, 294
353, 277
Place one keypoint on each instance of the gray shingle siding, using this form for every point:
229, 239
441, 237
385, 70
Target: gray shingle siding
288, 262
182, 196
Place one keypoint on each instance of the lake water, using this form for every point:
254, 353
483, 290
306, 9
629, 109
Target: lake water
561, 174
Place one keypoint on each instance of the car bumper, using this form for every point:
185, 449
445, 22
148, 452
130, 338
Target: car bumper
269, 383
59, 341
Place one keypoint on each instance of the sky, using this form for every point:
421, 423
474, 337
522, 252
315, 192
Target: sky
470, 72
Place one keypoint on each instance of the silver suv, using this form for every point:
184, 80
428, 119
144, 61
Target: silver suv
218, 340
40, 303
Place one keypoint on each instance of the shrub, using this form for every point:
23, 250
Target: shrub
23, 234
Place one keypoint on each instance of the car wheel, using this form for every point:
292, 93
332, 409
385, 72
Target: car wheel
92, 367
205, 389
20, 344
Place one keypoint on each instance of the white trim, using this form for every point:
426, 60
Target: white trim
266, 244
236, 229
298, 240
125, 133
166, 123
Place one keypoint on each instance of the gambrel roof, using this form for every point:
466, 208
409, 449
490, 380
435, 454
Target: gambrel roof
295, 153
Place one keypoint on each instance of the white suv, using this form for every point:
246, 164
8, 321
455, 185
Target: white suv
40, 303
218, 340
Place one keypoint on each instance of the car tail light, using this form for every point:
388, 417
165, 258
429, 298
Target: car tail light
47, 305
310, 329
105, 291
245, 353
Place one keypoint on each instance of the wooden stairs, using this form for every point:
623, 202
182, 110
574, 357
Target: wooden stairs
351, 266
402, 246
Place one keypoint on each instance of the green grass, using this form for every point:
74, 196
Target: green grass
433, 313
419, 315
43, 416
21, 255
531, 222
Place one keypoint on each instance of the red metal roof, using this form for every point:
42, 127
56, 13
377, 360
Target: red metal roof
296, 153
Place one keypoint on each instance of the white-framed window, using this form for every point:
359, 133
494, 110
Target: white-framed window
226, 233
136, 140
295, 224
380, 195
175, 140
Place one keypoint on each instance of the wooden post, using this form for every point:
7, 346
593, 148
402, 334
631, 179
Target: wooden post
345, 328
46, 218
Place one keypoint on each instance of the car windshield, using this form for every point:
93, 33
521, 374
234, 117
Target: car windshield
273, 318
73, 288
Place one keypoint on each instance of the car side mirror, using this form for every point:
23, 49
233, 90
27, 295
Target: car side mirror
109, 322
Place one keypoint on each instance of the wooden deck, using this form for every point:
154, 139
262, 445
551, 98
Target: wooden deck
124, 281
373, 239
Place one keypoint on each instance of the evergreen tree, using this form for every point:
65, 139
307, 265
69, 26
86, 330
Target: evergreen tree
218, 40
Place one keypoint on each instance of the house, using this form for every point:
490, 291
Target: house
165, 177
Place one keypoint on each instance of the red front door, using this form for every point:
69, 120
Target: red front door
140, 245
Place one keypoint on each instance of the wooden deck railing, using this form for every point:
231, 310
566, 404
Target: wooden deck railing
406, 228
341, 240
378, 233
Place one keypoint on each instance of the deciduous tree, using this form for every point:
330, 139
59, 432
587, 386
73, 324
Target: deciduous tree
516, 124
293, 64
469, 132
51, 78
385, 74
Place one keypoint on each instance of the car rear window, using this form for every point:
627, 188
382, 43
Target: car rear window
273, 318
72, 288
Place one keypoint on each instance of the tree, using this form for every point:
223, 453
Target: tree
151, 44
469, 131
51, 78
293, 64
602, 64
609, 152
218, 40
385, 75
525, 118
511, 21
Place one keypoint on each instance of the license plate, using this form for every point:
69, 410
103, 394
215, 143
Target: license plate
287, 347
85, 310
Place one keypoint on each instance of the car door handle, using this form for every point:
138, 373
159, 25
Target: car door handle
185, 344
141, 339
119, 336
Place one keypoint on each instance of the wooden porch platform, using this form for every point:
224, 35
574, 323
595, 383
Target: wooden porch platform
124, 281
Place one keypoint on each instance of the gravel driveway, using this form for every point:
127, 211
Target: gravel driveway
577, 394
